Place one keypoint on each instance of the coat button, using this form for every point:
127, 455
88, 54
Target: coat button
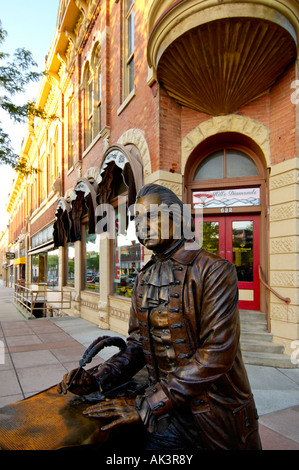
198, 402
247, 422
159, 405
174, 310
176, 325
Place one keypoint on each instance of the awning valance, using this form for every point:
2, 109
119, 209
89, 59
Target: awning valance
91, 191
21, 260
63, 226
84, 197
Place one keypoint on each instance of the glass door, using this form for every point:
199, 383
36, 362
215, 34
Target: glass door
236, 238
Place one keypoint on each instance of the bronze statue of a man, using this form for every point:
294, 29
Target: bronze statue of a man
184, 326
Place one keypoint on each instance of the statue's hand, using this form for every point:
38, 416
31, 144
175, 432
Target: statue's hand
119, 410
83, 384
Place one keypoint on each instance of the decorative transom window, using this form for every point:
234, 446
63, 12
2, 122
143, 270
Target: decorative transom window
226, 163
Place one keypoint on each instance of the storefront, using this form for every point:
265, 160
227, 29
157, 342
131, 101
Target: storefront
43, 262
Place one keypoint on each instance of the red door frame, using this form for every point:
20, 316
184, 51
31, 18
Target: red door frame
226, 251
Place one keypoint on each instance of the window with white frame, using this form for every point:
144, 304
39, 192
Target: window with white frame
70, 145
128, 49
56, 154
96, 65
88, 104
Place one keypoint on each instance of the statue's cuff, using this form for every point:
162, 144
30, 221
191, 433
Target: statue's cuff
158, 401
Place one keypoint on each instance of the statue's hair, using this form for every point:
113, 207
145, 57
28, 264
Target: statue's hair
166, 195
169, 198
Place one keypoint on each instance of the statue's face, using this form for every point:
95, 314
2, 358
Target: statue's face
154, 230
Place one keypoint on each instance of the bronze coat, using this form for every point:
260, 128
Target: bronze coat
210, 377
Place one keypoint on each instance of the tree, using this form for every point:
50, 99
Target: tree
15, 74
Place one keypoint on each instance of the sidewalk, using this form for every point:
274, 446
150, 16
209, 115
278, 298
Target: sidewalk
39, 352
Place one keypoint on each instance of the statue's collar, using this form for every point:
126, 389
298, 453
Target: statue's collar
158, 273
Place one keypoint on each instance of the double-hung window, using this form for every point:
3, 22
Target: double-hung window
129, 29
88, 105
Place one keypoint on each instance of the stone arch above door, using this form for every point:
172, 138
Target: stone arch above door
230, 123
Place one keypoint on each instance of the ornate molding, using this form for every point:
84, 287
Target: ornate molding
284, 179
69, 193
282, 312
56, 186
284, 245
105, 134
119, 314
88, 304
78, 166
92, 172
284, 211
137, 138
284, 278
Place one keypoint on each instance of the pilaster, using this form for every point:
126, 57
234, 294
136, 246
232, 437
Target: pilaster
284, 251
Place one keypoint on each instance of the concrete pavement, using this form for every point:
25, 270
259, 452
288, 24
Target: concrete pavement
37, 353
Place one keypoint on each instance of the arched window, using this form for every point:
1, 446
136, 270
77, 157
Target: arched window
55, 155
88, 105
52, 161
49, 168
70, 133
96, 65
43, 178
226, 163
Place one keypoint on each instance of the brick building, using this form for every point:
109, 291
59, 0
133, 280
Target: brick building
198, 96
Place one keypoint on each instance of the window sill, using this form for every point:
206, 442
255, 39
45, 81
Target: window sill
84, 291
121, 297
126, 102
69, 171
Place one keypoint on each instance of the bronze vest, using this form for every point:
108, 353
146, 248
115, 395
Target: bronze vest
164, 332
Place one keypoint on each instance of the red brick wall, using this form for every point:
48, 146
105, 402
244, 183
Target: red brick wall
170, 134
283, 119
274, 110
143, 110
43, 220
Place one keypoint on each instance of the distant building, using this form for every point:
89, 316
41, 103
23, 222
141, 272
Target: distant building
201, 97
5, 263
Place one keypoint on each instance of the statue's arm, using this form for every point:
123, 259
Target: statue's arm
125, 364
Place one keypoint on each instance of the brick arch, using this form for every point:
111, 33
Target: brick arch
259, 133
137, 138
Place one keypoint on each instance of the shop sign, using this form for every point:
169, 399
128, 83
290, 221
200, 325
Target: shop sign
10, 255
227, 198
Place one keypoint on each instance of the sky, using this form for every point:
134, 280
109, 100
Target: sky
30, 24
